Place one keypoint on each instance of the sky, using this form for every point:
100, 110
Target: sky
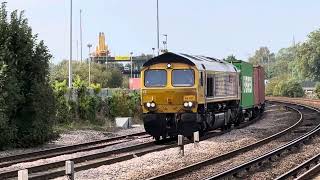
216, 28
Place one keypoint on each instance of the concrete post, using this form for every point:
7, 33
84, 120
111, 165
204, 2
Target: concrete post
181, 144
196, 138
70, 170
23, 174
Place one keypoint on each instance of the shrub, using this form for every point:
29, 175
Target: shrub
288, 88
292, 89
63, 109
27, 101
124, 104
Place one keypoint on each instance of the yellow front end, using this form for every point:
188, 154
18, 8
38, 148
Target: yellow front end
166, 96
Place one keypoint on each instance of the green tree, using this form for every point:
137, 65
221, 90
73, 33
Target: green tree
115, 79
308, 60
26, 96
265, 58
284, 63
99, 73
231, 58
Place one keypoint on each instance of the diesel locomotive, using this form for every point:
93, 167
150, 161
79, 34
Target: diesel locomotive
182, 93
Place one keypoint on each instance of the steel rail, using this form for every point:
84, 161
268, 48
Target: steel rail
307, 165
47, 153
37, 168
228, 155
269, 155
311, 173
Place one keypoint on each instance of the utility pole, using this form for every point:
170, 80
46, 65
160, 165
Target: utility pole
153, 51
70, 70
89, 46
80, 35
158, 26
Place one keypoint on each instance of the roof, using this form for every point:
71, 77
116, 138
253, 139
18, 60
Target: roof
201, 62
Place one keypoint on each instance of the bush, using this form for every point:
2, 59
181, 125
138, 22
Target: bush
292, 89
317, 91
284, 87
27, 102
63, 109
123, 104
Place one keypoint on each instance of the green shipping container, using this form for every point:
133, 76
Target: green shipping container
246, 79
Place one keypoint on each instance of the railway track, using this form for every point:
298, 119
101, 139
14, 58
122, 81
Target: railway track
52, 152
56, 169
185, 171
259, 162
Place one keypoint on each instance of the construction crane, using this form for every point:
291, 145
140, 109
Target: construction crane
102, 49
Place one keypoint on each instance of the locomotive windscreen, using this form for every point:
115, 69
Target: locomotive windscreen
155, 78
183, 77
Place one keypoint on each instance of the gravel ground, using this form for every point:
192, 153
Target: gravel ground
74, 155
290, 161
274, 120
75, 137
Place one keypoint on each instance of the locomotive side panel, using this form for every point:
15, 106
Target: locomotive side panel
222, 86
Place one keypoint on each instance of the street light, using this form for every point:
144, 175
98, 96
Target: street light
89, 46
165, 43
70, 73
131, 62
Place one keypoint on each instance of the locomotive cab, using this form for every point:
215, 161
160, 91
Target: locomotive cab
168, 90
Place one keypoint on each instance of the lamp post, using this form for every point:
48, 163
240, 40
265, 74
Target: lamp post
165, 43
131, 62
89, 46
70, 73
158, 26
80, 35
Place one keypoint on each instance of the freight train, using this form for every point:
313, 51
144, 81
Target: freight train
182, 93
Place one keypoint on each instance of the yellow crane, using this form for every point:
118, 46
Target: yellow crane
102, 48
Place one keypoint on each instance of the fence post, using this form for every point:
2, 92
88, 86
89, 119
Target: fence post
196, 138
181, 144
23, 174
70, 170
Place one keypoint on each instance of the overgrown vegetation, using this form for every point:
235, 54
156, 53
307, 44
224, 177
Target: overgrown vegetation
83, 105
26, 99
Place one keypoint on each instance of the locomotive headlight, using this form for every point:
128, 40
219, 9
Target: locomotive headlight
188, 104
153, 104
168, 65
148, 104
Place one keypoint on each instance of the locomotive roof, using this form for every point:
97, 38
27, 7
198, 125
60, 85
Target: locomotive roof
201, 62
